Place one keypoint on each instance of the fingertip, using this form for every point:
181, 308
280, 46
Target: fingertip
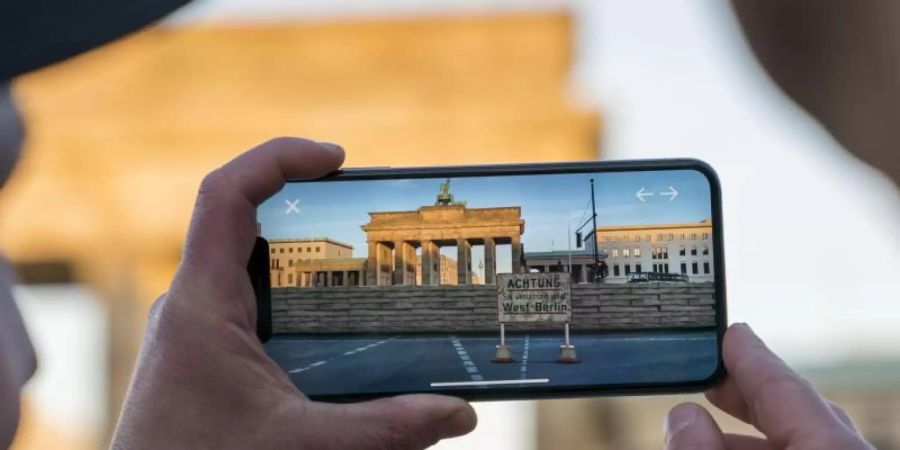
689, 426
461, 421
336, 150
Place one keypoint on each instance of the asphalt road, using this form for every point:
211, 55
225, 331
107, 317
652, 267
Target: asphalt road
322, 365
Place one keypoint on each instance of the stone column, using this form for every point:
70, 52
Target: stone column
410, 267
345, 278
582, 277
429, 253
400, 254
463, 262
490, 260
327, 278
373, 265
516, 254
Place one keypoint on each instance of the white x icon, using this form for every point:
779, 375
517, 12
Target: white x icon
292, 206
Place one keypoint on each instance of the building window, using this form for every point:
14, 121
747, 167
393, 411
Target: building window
659, 237
705, 236
612, 239
280, 250
273, 251
671, 236
615, 253
666, 268
290, 263
654, 268
694, 268
616, 270
684, 268
705, 249
693, 236
637, 252
693, 250
706, 267
681, 251
627, 269
299, 249
317, 249
681, 236
647, 238
637, 267
653, 252
626, 253
665, 252
290, 278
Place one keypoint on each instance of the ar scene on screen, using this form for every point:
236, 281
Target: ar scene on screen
587, 279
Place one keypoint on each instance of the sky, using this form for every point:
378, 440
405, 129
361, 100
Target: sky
551, 204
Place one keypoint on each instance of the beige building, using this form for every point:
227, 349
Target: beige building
324, 262
685, 248
286, 256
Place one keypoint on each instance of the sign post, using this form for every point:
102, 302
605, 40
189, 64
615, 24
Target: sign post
534, 297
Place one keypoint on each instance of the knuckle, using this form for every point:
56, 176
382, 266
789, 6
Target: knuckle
211, 183
157, 307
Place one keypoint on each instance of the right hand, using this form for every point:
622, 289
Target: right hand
762, 390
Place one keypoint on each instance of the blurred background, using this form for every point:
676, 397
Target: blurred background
119, 139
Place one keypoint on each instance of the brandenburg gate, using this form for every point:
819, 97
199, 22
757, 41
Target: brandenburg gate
393, 238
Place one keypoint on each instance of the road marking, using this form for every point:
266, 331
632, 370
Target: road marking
470, 366
303, 369
347, 353
524, 368
488, 383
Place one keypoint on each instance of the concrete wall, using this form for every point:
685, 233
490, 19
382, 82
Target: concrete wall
459, 309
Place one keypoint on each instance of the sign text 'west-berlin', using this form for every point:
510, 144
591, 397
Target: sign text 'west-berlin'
534, 297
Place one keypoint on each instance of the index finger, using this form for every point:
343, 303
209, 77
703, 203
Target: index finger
763, 390
223, 225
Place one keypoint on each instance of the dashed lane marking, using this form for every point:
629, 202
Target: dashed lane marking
467, 363
347, 353
524, 368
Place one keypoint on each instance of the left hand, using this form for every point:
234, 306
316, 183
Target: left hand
202, 378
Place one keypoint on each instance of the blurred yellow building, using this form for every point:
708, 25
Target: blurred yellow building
119, 139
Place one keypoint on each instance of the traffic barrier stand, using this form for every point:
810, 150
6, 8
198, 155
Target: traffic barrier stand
567, 351
567, 354
501, 353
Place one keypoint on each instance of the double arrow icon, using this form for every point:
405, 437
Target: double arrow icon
643, 194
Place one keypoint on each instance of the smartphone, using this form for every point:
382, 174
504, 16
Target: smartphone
495, 282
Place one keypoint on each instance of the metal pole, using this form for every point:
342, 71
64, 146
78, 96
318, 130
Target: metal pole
502, 335
567, 334
569, 244
594, 234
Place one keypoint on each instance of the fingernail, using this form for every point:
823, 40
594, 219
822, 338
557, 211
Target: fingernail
460, 422
679, 418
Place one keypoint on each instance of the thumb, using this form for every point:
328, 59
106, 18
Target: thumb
689, 426
405, 422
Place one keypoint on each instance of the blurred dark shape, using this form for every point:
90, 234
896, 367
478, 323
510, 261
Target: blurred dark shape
839, 60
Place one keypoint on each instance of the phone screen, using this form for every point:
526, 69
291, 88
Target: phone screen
473, 283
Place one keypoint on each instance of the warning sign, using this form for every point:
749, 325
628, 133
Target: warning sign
533, 297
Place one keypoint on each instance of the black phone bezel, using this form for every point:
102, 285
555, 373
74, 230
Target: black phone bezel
259, 264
